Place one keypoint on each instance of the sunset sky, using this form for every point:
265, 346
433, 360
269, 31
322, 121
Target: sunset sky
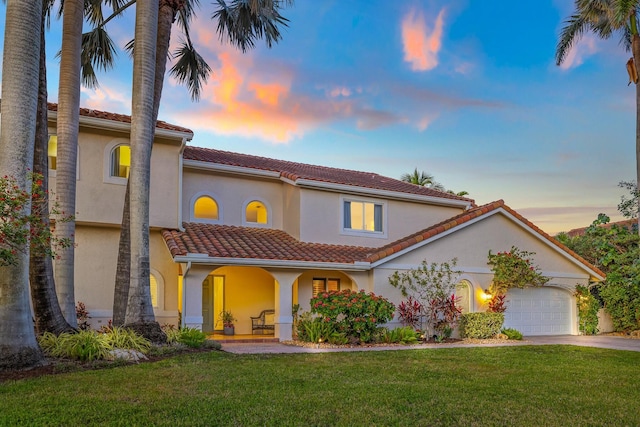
465, 90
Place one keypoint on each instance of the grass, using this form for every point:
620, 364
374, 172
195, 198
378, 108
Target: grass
519, 386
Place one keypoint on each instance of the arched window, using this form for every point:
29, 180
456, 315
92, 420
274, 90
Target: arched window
256, 212
205, 207
463, 296
120, 161
154, 290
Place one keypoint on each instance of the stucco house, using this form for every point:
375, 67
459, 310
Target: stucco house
243, 233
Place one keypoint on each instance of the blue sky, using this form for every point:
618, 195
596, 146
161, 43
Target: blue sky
466, 92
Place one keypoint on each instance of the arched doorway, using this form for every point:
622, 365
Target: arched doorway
463, 296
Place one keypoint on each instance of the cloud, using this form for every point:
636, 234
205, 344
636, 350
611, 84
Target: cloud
421, 46
581, 50
105, 98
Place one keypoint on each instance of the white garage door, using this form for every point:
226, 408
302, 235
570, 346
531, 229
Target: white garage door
539, 311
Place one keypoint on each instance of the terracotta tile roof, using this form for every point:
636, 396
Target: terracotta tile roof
295, 171
97, 114
226, 241
463, 218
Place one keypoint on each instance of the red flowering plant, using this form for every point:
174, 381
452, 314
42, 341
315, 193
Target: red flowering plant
356, 314
496, 304
514, 269
20, 225
445, 314
409, 312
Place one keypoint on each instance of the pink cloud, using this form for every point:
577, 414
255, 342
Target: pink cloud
581, 50
421, 45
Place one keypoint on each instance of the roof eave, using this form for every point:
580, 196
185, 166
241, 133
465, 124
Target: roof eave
197, 258
239, 170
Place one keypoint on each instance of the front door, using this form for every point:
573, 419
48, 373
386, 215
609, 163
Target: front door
212, 303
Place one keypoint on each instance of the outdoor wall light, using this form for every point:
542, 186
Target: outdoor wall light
485, 295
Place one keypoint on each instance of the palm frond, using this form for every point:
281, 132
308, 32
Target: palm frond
187, 13
88, 76
190, 69
573, 30
129, 47
98, 51
93, 11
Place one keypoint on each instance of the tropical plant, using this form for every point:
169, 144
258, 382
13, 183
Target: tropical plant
357, 314
192, 337
127, 339
514, 269
409, 312
605, 18
422, 179
227, 319
433, 287
404, 335
615, 250
20, 68
588, 307
82, 317
481, 325
512, 334
497, 304
444, 315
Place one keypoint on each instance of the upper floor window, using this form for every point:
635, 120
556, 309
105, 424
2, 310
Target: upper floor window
52, 152
205, 207
362, 216
120, 161
256, 212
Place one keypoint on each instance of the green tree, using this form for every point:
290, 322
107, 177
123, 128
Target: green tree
422, 179
20, 74
605, 18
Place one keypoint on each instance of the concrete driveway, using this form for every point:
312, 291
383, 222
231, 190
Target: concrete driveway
601, 341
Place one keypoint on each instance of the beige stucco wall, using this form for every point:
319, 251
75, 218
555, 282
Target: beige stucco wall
232, 193
321, 218
291, 210
100, 201
471, 247
95, 269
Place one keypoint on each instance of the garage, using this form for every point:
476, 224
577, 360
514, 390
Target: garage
540, 311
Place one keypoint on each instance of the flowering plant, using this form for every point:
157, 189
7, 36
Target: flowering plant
21, 226
514, 269
357, 314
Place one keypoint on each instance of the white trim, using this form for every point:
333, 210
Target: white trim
363, 233
195, 198
207, 260
267, 206
484, 270
106, 162
180, 190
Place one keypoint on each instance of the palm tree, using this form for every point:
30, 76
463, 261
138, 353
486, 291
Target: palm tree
20, 74
67, 133
46, 308
139, 315
604, 18
422, 179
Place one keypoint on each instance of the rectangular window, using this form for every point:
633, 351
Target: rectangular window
324, 285
52, 152
363, 216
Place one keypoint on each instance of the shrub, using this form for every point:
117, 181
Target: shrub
481, 325
588, 308
356, 314
83, 345
192, 337
409, 313
512, 334
82, 314
404, 335
317, 330
514, 269
444, 315
496, 304
128, 339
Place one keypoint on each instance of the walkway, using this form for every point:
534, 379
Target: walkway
612, 342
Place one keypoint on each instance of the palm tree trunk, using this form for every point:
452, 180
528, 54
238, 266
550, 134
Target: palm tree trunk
67, 130
166, 16
46, 309
20, 75
139, 314
635, 49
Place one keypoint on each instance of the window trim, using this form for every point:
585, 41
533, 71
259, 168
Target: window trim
257, 224
363, 233
106, 167
192, 204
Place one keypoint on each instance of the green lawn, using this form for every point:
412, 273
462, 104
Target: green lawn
520, 386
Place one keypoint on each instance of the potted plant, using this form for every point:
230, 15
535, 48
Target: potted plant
227, 322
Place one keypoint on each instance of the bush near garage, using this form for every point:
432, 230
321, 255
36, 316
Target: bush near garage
481, 325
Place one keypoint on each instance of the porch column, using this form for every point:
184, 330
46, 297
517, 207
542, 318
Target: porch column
284, 298
192, 296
